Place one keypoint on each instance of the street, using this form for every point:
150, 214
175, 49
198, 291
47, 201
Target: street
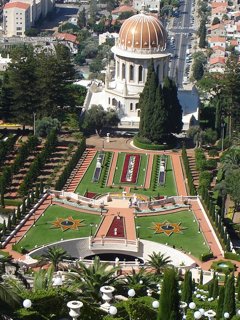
181, 30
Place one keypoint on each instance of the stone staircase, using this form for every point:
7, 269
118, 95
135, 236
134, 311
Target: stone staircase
192, 165
80, 169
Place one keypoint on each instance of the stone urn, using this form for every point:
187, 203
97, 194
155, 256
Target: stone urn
107, 295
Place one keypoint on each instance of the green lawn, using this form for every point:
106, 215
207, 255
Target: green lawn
141, 173
168, 190
88, 184
189, 240
44, 232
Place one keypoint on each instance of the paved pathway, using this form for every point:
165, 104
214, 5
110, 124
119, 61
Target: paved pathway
149, 171
112, 169
179, 178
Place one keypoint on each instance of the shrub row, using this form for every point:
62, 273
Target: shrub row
105, 169
139, 143
155, 172
206, 256
189, 176
71, 165
39, 162
6, 147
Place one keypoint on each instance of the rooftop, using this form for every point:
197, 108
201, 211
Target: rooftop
19, 5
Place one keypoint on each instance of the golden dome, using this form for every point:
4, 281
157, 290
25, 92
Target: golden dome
142, 32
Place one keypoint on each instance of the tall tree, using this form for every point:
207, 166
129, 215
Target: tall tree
173, 106
169, 298
55, 255
187, 287
220, 303
158, 262
229, 304
82, 20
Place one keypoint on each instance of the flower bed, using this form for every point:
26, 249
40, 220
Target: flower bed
90, 195
130, 168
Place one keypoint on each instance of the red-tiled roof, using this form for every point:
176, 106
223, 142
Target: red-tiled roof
217, 26
19, 5
67, 37
215, 48
215, 60
124, 9
219, 4
217, 39
233, 42
219, 10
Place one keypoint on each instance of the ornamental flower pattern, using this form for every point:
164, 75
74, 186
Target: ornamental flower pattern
130, 168
68, 223
168, 228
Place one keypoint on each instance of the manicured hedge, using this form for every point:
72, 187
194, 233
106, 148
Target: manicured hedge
206, 256
232, 256
149, 146
71, 165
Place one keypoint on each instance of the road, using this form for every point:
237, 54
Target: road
181, 30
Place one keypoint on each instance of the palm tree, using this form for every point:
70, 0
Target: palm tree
9, 299
231, 159
90, 279
159, 262
55, 255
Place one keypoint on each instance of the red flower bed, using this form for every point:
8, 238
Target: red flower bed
135, 168
90, 195
116, 228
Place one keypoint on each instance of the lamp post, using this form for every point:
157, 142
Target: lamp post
138, 231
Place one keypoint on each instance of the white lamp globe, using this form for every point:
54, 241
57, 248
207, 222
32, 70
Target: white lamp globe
226, 315
112, 310
197, 315
131, 293
27, 303
155, 304
202, 311
238, 313
192, 305
198, 295
58, 281
141, 282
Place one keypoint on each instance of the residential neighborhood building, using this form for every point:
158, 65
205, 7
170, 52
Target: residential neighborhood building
19, 16
150, 5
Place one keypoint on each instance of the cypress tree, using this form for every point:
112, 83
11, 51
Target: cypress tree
23, 207
169, 298
229, 304
32, 197
215, 288
9, 224
173, 106
2, 200
28, 204
41, 189
4, 229
225, 280
14, 220
37, 192
18, 212
238, 291
187, 287
144, 96
210, 288
159, 125
219, 312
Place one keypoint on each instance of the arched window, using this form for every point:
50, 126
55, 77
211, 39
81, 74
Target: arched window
140, 73
131, 107
123, 71
158, 71
136, 106
131, 73
117, 69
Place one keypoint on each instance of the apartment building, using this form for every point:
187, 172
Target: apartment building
16, 18
19, 16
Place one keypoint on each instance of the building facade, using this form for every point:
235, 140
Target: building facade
18, 17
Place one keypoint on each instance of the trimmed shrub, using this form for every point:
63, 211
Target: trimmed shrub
206, 256
144, 143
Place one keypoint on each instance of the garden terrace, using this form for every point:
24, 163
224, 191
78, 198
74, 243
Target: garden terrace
87, 185
44, 232
188, 240
139, 174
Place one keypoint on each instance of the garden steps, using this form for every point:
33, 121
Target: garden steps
112, 169
79, 171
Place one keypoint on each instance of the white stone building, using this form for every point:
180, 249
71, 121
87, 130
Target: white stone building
142, 38
151, 5
19, 16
